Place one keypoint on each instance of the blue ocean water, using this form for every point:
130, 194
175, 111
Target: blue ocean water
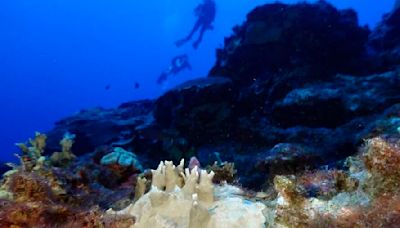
59, 56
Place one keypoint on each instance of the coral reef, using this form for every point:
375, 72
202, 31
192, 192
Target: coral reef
279, 92
35, 201
304, 113
365, 195
38, 194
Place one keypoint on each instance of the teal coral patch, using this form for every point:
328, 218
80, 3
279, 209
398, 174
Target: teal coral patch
121, 157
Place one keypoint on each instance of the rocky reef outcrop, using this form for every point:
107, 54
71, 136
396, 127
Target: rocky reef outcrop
295, 87
384, 41
303, 42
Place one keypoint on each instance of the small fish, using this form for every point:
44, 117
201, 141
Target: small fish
107, 87
136, 85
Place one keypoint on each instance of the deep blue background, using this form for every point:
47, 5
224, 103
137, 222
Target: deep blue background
56, 56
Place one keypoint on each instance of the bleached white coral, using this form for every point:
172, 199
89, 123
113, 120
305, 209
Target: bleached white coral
187, 198
231, 210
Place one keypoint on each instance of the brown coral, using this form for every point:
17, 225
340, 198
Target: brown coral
224, 172
291, 212
19, 214
382, 161
327, 183
30, 187
385, 212
382, 157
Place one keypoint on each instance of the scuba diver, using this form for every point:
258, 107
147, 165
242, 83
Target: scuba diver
205, 14
178, 63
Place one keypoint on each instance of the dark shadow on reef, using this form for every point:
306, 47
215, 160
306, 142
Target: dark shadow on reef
3, 167
295, 87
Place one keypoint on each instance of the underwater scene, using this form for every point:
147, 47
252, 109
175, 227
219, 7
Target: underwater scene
200, 114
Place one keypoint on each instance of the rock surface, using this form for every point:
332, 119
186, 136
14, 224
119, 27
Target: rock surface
385, 41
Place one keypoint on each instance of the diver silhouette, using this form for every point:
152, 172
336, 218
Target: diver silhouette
205, 13
178, 63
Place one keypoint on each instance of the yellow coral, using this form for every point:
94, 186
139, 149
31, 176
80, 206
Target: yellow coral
64, 157
32, 155
38, 143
